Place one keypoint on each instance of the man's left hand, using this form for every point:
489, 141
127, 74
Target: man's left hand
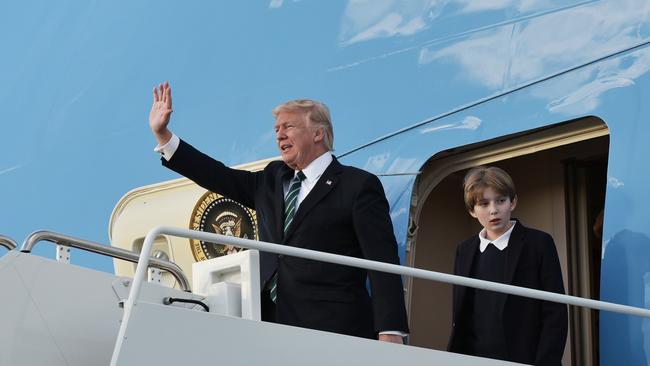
391, 338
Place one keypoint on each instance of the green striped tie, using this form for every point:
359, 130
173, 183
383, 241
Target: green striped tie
289, 212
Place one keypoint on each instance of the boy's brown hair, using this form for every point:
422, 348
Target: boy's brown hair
482, 177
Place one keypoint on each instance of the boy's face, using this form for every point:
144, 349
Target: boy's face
493, 212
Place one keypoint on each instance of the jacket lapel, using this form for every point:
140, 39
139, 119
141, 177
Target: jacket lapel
283, 175
325, 184
515, 246
467, 255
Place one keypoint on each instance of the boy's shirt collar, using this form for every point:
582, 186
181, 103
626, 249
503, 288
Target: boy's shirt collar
501, 242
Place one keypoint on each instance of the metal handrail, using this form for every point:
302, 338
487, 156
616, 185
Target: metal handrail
141, 269
374, 266
7, 242
119, 253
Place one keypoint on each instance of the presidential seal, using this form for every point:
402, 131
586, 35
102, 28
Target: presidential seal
217, 214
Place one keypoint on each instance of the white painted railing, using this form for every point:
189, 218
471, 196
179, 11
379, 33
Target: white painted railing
353, 262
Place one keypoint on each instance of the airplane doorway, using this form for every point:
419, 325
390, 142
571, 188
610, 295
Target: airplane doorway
585, 192
559, 173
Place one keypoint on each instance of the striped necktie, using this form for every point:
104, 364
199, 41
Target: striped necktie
289, 212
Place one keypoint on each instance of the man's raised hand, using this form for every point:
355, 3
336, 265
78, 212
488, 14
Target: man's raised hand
161, 110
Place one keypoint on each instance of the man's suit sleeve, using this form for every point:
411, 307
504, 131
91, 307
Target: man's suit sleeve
374, 230
239, 185
554, 324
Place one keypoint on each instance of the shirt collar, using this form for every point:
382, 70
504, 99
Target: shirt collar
315, 169
501, 242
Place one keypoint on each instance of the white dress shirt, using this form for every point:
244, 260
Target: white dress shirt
168, 149
312, 173
500, 243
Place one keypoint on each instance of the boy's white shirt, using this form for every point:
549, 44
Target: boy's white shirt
501, 242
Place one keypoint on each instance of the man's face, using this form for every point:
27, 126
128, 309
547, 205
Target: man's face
493, 212
298, 141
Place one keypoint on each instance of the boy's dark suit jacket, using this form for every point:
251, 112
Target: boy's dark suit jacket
535, 331
345, 213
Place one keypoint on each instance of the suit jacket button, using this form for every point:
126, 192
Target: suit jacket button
280, 256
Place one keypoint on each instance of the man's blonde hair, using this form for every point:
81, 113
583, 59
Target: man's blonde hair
317, 114
482, 177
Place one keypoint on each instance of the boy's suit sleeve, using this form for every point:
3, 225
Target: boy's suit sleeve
554, 324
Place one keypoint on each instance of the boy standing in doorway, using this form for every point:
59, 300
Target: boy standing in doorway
496, 325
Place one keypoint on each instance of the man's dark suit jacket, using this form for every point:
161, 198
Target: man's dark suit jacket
345, 213
535, 331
